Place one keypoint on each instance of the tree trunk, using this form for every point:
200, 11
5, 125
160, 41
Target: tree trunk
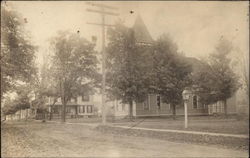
43, 115
131, 110
26, 114
174, 111
225, 107
20, 116
63, 110
51, 110
35, 113
50, 114
63, 98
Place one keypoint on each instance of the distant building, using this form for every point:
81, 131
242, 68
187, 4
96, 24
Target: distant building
153, 105
90, 105
76, 107
87, 106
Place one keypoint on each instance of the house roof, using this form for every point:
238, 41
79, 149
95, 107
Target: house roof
141, 32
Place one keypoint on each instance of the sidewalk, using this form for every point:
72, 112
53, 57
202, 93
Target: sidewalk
187, 132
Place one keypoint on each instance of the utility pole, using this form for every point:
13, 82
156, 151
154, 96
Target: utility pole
103, 11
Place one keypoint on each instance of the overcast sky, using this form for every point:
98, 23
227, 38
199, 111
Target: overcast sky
194, 26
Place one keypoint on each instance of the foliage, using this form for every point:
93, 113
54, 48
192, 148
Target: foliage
217, 79
9, 106
45, 87
126, 73
22, 101
74, 65
17, 52
170, 71
135, 70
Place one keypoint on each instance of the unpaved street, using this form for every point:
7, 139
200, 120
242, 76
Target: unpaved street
36, 139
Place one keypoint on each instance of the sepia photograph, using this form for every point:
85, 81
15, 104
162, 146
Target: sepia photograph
124, 79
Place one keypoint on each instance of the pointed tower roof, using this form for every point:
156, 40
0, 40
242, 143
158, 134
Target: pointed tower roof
141, 32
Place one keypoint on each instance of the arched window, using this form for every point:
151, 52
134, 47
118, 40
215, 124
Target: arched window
195, 102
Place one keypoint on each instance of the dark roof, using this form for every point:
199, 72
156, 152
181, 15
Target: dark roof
141, 32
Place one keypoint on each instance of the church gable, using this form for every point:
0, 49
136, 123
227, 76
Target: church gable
141, 33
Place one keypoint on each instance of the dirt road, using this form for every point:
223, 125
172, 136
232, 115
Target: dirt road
36, 139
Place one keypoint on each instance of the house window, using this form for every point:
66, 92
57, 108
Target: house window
195, 102
158, 101
81, 109
85, 97
89, 109
146, 104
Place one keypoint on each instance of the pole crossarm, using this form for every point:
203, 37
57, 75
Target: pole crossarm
101, 5
100, 24
102, 12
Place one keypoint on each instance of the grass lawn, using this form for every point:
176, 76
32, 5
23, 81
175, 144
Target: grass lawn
37, 139
203, 124
217, 124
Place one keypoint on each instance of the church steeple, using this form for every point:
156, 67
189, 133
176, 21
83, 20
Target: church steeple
141, 32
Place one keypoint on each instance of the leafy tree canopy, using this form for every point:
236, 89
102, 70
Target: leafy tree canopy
217, 79
21, 101
74, 64
17, 52
126, 66
170, 71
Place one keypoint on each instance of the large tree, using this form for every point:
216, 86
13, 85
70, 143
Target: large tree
241, 62
74, 66
170, 72
126, 67
17, 52
48, 87
21, 101
217, 80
